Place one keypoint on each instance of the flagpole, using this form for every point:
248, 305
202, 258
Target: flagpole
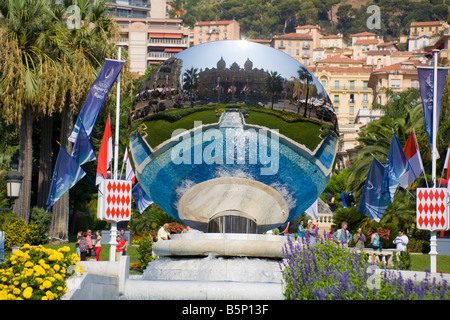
113, 231
433, 238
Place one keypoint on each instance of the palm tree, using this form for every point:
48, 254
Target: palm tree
23, 57
85, 51
274, 85
307, 78
190, 81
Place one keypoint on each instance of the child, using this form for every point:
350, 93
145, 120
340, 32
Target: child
119, 248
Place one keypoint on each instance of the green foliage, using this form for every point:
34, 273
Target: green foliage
42, 221
145, 251
262, 20
152, 218
328, 272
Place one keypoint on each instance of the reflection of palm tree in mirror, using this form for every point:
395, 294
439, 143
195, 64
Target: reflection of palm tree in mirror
307, 78
190, 81
274, 84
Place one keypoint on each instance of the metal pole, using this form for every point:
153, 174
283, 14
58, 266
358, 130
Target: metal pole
433, 241
113, 230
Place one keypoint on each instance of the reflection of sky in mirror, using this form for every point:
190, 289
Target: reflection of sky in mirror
207, 55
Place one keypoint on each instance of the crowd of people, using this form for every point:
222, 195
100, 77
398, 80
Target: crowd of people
86, 245
344, 238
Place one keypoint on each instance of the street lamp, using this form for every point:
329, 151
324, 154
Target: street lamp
13, 182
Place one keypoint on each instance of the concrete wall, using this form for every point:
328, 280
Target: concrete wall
101, 280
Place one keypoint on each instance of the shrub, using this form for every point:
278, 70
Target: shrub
18, 233
328, 272
42, 221
418, 245
37, 273
145, 251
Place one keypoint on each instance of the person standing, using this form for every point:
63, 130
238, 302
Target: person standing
77, 244
90, 246
401, 241
342, 236
83, 247
119, 247
124, 237
163, 233
301, 231
98, 245
359, 239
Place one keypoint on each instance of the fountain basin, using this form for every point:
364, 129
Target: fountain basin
221, 245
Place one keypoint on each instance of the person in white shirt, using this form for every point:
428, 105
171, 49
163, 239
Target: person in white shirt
401, 241
163, 234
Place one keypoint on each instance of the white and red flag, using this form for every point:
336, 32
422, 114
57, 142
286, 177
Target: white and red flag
412, 153
105, 155
129, 175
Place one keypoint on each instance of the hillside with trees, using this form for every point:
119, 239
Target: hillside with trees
264, 19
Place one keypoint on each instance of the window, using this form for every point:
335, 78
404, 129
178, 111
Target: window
336, 109
352, 98
324, 83
352, 85
365, 98
336, 84
336, 98
351, 110
395, 83
365, 85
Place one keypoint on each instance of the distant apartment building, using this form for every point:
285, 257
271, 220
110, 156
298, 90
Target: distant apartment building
151, 41
421, 33
207, 31
364, 42
146, 33
397, 77
333, 41
378, 59
297, 45
313, 32
441, 43
346, 82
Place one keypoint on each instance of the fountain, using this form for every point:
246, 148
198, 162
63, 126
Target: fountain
264, 162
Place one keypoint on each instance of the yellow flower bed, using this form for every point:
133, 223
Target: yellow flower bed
37, 273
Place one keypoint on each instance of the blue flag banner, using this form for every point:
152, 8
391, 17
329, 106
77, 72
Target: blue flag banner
396, 166
141, 199
82, 149
96, 96
426, 87
66, 174
375, 197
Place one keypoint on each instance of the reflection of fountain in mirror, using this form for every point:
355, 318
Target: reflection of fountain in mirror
260, 161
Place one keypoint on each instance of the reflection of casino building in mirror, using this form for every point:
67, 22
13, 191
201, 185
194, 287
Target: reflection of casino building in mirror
233, 82
238, 163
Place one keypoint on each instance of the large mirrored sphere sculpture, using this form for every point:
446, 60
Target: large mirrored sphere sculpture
233, 136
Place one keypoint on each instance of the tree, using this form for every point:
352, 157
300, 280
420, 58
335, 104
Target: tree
190, 81
306, 78
23, 59
274, 84
86, 49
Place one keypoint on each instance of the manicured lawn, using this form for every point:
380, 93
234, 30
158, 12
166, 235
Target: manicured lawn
104, 253
303, 132
161, 130
421, 262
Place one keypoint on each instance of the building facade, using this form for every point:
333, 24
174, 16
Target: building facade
151, 41
207, 31
397, 77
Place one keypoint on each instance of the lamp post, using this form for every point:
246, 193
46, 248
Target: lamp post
13, 183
